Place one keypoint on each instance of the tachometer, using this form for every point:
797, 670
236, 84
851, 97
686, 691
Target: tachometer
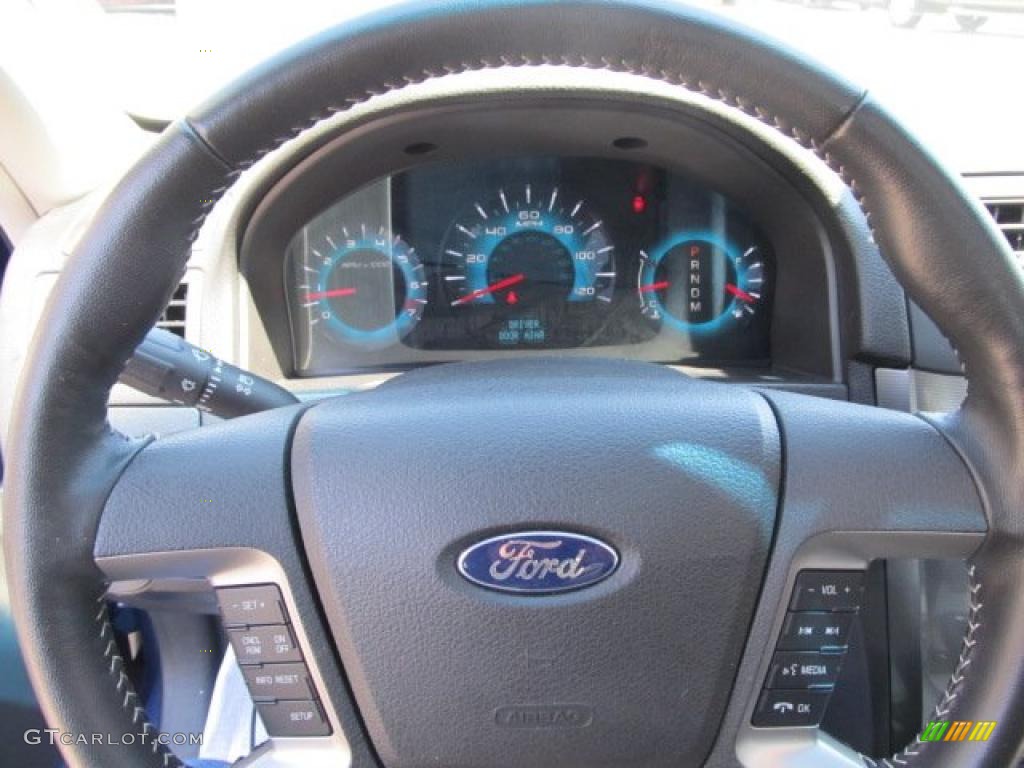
697, 283
527, 248
368, 287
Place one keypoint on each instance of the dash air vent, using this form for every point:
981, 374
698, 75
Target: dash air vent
173, 317
1009, 215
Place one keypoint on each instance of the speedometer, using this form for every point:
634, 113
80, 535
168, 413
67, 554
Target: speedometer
528, 248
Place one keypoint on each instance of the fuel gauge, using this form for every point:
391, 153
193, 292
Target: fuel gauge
698, 284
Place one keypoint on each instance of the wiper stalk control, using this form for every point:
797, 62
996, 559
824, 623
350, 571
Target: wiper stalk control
166, 366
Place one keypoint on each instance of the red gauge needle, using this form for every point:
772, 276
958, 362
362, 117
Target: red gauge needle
333, 294
739, 293
501, 285
654, 287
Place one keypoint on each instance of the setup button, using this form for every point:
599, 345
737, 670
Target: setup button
294, 718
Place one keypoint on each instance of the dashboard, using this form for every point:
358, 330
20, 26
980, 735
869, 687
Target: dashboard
529, 255
701, 252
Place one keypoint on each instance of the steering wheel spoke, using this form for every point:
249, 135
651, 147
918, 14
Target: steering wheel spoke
857, 469
860, 484
216, 488
207, 514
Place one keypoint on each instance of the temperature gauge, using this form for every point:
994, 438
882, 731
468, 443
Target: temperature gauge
699, 284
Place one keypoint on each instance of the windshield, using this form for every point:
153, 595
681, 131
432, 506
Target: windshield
948, 73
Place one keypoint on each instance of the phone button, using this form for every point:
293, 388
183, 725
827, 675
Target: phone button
780, 709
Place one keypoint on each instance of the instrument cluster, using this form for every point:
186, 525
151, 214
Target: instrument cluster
535, 255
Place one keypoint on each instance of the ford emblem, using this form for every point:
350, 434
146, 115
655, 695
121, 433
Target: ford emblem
538, 562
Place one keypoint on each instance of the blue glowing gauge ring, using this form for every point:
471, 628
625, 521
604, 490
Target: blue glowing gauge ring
698, 284
370, 290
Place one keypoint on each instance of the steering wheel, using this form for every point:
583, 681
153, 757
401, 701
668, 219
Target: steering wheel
713, 496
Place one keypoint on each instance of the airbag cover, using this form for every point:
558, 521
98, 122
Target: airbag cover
679, 477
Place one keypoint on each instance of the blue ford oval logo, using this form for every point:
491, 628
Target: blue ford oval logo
538, 562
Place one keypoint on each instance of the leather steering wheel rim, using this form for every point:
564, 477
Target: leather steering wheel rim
65, 458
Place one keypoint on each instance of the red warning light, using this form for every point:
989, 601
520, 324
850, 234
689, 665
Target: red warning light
639, 204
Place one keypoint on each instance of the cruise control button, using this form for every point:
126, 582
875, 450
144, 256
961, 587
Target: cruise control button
262, 644
779, 709
294, 718
251, 605
278, 681
802, 670
827, 591
807, 631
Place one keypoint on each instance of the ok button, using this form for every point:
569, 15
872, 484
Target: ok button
803, 670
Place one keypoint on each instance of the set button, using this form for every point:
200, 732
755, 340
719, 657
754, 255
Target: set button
247, 606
